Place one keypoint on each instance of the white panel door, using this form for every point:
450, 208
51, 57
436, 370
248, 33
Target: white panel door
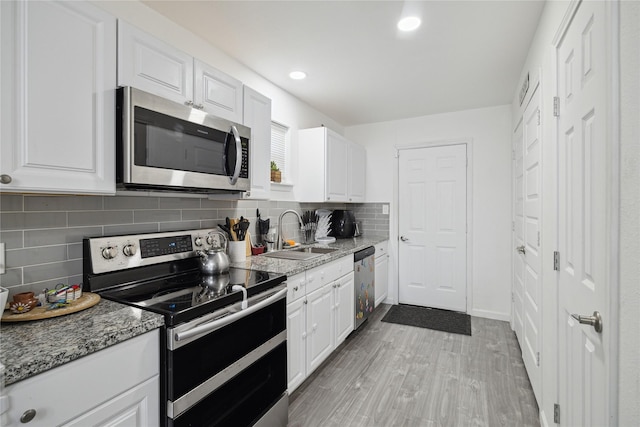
583, 197
57, 109
432, 227
344, 307
531, 273
518, 233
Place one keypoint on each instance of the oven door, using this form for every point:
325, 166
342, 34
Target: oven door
165, 144
233, 369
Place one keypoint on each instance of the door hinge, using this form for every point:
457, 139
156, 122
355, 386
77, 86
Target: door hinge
556, 260
513, 226
538, 117
556, 413
538, 359
556, 106
538, 239
513, 154
513, 299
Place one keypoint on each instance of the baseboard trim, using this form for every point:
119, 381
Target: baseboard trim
487, 314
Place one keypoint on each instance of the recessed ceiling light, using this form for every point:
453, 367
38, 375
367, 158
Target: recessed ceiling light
297, 75
409, 23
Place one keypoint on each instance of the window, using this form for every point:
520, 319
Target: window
280, 148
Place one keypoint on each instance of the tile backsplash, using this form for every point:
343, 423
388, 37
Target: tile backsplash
43, 233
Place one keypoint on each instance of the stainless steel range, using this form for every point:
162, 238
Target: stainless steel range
223, 347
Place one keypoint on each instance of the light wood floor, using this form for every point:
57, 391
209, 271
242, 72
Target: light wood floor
394, 375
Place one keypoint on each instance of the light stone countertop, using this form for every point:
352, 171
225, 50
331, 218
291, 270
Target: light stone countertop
291, 267
30, 348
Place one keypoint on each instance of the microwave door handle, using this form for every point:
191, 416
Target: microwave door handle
236, 171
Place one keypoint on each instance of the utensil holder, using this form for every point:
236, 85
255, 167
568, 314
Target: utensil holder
238, 251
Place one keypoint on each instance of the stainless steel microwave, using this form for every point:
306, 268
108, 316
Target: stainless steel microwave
163, 145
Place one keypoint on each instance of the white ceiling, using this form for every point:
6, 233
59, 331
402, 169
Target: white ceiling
466, 54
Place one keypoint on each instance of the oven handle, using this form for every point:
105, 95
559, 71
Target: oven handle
216, 324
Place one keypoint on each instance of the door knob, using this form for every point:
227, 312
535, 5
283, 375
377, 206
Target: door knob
595, 320
404, 239
521, 249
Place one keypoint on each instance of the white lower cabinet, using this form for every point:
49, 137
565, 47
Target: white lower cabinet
109, 387
320, 316
381, 288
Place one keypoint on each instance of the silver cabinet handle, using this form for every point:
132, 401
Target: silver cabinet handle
595, 320
236, 172
199, 106
521, 249
404, 239
188, 103
5, 179
295, 288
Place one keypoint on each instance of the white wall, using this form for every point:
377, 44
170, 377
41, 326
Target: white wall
488, 128
286, 108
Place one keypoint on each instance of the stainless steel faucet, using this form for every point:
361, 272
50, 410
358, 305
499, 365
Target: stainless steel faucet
279, 239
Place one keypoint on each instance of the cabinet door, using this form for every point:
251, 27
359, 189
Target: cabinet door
134, 408
344, 309
257, 116
382, 279
320, 327
296, 343
356, 171
57, 111
151, 65
218, 93
336, 165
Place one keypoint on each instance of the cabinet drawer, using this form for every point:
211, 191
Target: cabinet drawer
320, 276
295, 287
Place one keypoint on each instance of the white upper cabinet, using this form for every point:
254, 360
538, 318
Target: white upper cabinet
149, 64
57, 110
154, 66
257, 116
332, 168
219, 93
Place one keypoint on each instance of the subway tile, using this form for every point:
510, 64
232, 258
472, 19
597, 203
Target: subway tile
113, 230
62, 203
179, 203
210, 223
52, 271
130, 202
11, 277
157, 215
31, 256
11, 202
231, 213
180, 225
59, 236
80, 219
74, 251
218, 204
12, 239
27, 221
199, 214
247, 204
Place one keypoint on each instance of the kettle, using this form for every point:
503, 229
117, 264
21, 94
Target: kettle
215, 259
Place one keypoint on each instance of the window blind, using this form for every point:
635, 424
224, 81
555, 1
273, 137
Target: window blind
279, 147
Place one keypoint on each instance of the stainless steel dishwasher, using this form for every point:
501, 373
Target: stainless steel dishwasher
365, 277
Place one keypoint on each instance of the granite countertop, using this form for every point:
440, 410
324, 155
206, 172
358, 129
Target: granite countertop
291, 267
30, 348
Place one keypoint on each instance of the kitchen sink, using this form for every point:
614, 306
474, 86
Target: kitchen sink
300, 254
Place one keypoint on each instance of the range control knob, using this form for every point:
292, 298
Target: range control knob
109, 252
198, 241
129, 250
209, 240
